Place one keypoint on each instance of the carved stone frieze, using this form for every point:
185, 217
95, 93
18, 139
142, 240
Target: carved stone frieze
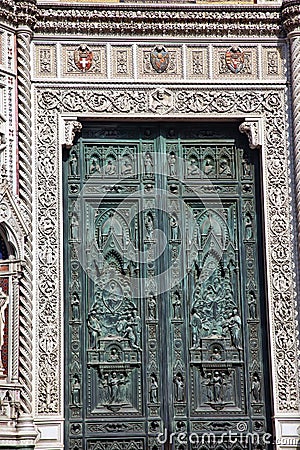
157, 20
136, 102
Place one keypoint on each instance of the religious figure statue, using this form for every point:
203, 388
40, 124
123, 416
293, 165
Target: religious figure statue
122, 394
234, 325
74, 227
208, 168
246, 168
256, 388
148, 164
94, 165
172, 164
248, 227
176, 305
75, 306
196, 327
126, 168
153, 390
217, 387
75, 390
3, 305
193, 169
152, 306
73, 165
174, 227
113, 384
252, 305
95, 329
149, 225
179, 387
225, 167
110, 168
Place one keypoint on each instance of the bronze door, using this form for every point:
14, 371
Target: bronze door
164, 301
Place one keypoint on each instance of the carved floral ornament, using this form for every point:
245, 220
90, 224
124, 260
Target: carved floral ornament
189, 102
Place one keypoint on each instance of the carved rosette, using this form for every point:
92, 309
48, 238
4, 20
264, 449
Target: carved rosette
268, 104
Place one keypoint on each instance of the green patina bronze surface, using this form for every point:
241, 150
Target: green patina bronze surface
164, 299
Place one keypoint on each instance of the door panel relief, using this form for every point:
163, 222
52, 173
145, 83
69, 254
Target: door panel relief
163, 292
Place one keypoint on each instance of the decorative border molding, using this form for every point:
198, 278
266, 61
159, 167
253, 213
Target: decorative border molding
53, 103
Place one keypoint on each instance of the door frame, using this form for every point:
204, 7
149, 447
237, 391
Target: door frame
266, 128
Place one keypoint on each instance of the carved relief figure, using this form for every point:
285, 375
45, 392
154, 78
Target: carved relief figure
115, 386
234, 325
256, 388
75, 306
126, 167
179, 387
94, 327
74, 227
176, 302
153, 390
246, 168
252, 305
149, 225
217, 387
148, 164
73, 165
196, 325
110, 168
248, 227
152, 306
225, 167
208, 168
172, 164
75, 390
94, 165
193, 169
174, 226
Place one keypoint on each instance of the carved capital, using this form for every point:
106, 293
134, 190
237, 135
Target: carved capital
291, 15
71, 128
251, 128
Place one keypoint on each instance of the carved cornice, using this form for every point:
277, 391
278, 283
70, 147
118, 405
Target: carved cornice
291, 15
160, 20
26, 12
7, 12
18, 13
